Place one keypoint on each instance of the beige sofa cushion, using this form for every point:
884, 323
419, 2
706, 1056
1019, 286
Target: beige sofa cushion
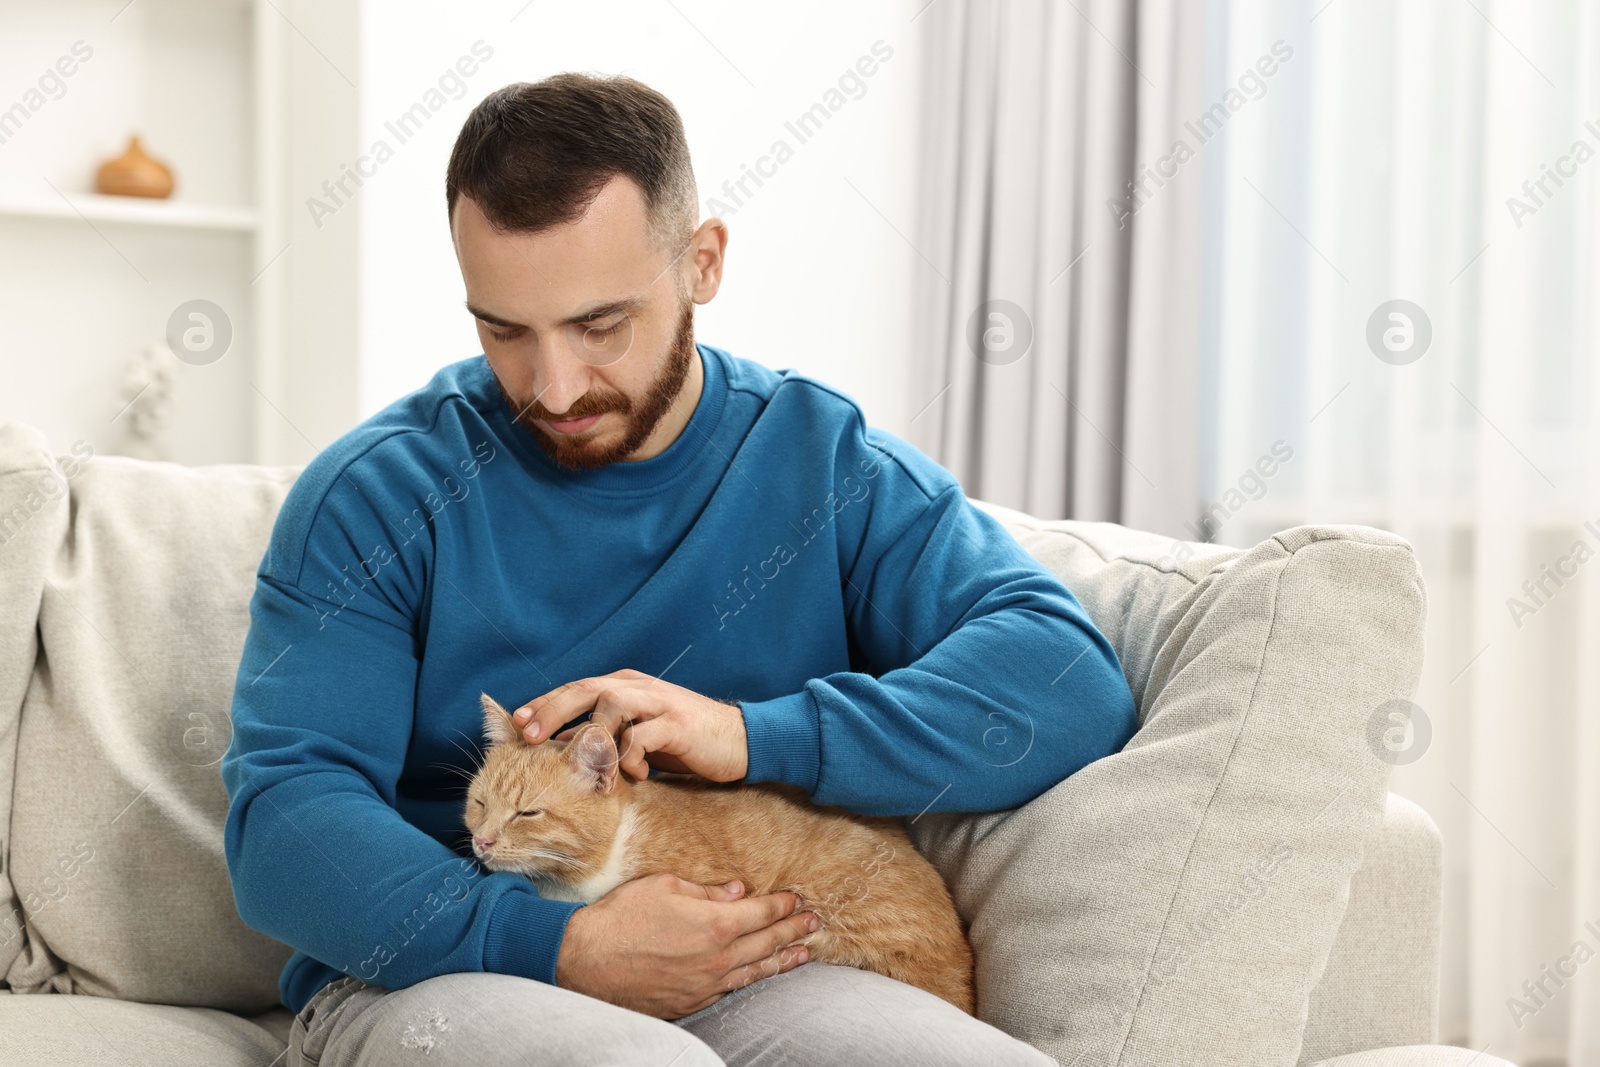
33, 519
85, 1031
1176, 903
116, 830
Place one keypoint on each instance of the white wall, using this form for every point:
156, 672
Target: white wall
817, 279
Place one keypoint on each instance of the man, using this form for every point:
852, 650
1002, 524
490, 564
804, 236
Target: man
721, 563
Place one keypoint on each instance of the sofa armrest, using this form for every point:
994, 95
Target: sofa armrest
1381, 986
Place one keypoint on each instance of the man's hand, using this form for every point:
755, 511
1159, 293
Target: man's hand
667, 947
655, 724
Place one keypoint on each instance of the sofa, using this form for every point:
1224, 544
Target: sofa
1236, 887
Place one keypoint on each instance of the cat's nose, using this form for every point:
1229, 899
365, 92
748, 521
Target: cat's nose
483, 843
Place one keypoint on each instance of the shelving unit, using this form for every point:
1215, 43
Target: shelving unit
220, 91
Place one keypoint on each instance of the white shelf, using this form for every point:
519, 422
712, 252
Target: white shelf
132, 209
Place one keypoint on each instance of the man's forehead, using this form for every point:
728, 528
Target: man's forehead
606, 255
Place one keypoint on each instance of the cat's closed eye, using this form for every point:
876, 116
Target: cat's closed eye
531, 812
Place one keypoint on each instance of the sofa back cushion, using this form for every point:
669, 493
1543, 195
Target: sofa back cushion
118, 806
33, 520
1176, 902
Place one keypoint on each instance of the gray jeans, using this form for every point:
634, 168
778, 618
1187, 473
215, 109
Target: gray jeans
815, 1014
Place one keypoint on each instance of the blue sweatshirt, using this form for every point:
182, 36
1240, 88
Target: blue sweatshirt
894, 650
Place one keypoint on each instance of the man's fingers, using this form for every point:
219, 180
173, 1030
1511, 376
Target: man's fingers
542, 716
765, 942
785, 959
616, 709
539, 717
612, 715
758, 913
722, 893
637, 741
725, 893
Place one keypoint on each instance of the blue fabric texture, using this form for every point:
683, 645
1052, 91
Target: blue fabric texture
893, 649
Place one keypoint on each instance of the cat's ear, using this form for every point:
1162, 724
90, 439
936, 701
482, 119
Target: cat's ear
498, 729
593, 754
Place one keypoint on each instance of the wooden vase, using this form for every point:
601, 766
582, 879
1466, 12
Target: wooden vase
134, 174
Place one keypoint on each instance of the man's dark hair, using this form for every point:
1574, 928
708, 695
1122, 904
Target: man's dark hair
535, 154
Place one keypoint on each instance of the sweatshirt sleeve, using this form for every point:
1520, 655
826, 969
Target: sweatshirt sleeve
987, 682
323, 708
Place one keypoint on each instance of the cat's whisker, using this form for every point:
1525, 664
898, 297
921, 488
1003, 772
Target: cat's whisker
453, 769
476, 757
537, 797
559, 857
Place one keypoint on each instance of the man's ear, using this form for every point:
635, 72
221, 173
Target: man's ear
498, 729
593, 754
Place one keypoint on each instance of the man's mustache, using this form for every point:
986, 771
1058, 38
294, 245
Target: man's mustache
582, 409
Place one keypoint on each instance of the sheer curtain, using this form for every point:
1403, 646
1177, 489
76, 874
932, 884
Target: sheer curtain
1444, 153
1371, 270
1044, 312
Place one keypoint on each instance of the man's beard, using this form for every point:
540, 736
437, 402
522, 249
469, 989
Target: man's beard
641, 417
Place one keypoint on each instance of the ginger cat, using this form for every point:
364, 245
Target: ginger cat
560, 813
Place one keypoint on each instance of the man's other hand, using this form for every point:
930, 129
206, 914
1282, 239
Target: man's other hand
655, 724
667, 947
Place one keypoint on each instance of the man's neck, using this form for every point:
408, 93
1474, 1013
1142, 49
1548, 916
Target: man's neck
677, 416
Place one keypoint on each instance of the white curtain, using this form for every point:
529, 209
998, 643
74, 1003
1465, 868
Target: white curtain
1386, 160
1043, 308
1234, 363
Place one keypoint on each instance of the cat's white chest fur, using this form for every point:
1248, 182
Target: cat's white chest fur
610, 875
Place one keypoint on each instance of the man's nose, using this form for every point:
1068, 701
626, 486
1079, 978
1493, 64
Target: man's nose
560, 380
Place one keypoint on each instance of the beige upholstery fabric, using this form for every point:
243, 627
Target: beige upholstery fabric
1380, 988
33, 519
1418, 1056
100, 1032
116, 831
1176, 903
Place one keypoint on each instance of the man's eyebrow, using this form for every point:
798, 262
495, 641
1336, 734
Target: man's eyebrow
605, 309
493, 320
602, 310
